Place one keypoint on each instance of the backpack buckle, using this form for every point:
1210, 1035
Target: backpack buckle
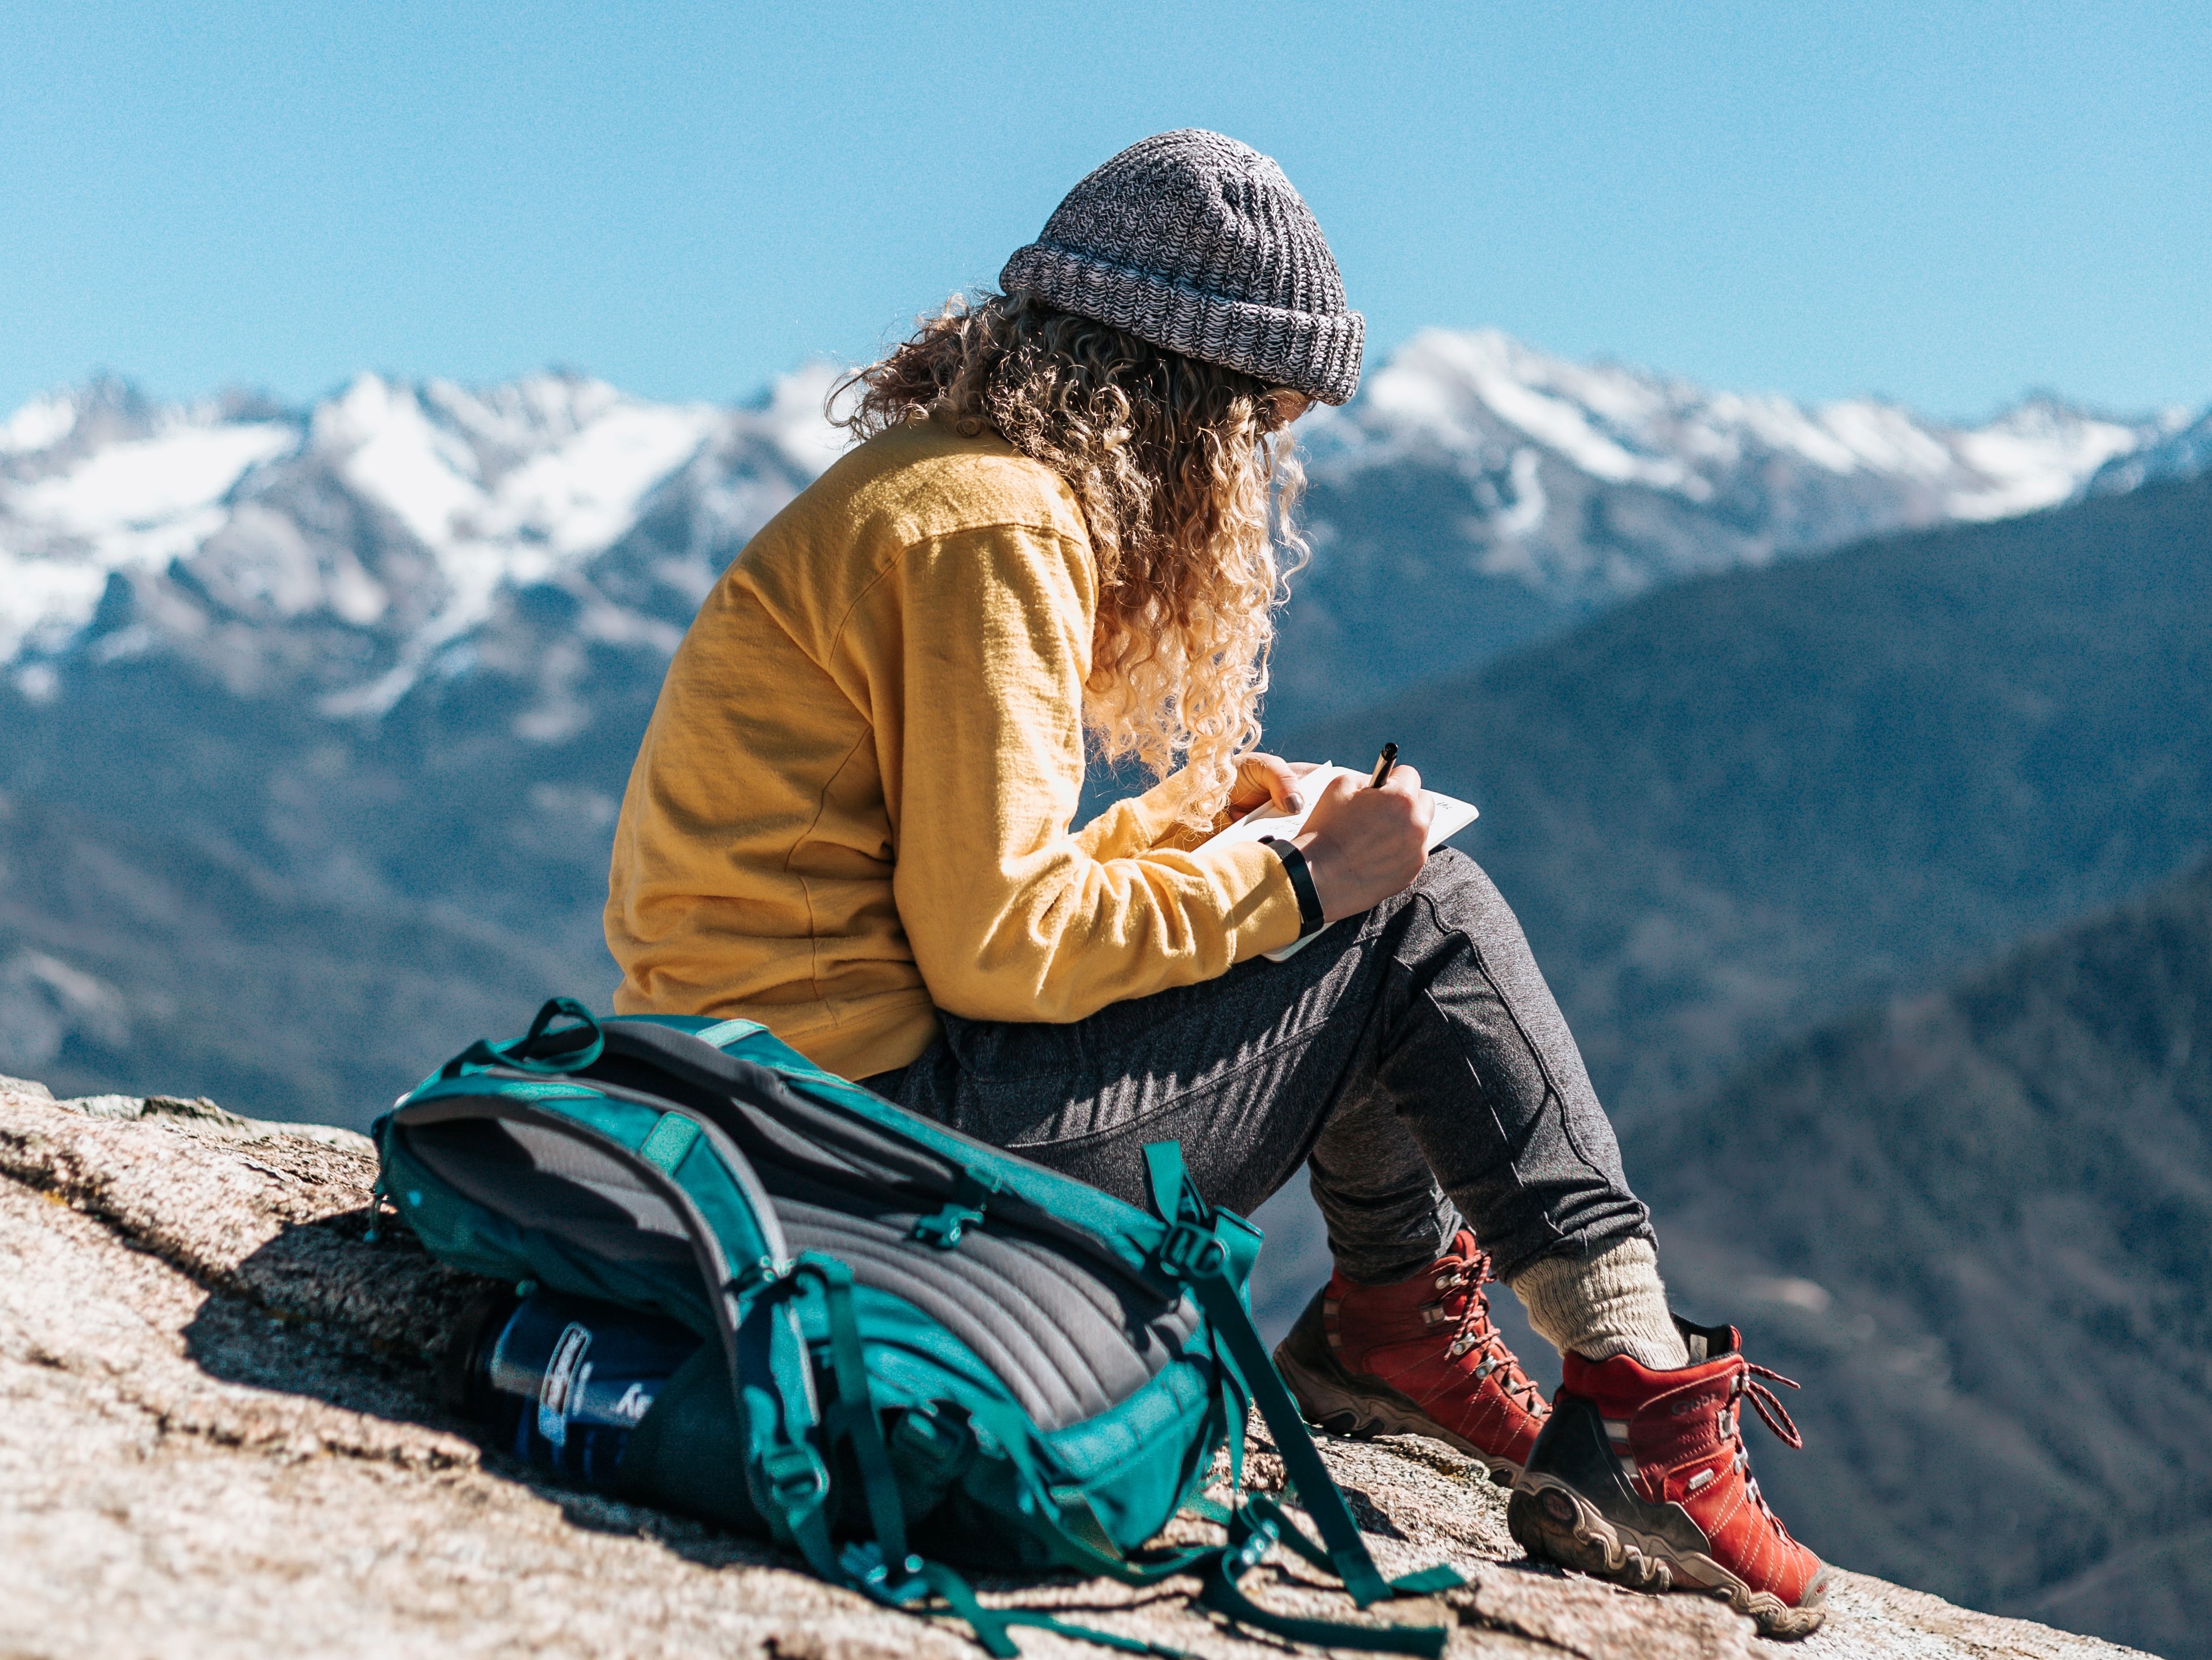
797, 1478
1191, 1252
971, 1196
939, 1447
757, 1275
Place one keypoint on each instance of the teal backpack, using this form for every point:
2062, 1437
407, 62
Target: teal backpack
905, 1333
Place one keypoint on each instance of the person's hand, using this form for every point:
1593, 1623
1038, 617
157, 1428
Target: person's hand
1266, 778
1363, 845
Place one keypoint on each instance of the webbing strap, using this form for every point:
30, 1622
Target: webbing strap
1187, 1213
991, 1626
1252, 1531
1287, 1533
789, 1481
1183, 1208
855, 1415
1220, 1592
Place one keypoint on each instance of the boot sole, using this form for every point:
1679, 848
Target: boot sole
1336, 1405
1554, 1523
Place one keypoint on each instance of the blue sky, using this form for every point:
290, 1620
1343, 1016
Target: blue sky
1946, 204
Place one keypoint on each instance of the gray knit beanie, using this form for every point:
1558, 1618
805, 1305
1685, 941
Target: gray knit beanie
1199, 244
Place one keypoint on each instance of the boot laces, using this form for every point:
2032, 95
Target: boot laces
1476, 1332
1772, 1414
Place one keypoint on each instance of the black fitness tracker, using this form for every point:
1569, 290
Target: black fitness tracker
1302, 882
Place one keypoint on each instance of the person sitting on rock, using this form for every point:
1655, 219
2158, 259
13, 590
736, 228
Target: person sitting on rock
850, 820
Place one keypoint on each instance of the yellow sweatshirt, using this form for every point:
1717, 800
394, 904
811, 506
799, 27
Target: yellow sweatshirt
851, 808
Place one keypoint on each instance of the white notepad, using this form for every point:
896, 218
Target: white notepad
1452, 815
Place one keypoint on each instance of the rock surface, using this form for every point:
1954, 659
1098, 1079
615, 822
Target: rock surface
221, 1436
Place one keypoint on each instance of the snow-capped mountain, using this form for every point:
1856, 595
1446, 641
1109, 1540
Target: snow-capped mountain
1484, 397
1478, 494
348, 545
2183, 454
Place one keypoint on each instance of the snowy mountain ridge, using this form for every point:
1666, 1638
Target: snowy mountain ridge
2183, 452
1624, 425
387, 507
351, 549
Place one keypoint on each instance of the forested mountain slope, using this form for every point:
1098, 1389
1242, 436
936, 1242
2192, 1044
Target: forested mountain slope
1729, 810
1977, 1225
128, 948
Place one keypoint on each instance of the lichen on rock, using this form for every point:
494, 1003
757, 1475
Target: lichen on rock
221, 1436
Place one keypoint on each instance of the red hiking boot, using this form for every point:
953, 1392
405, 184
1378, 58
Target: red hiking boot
1418, 1358
1642, 1477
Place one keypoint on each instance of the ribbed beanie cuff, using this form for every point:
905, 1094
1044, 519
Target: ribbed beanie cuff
1199, 244
1600, 1306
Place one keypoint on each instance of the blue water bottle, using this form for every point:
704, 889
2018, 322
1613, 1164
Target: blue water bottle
560, 1382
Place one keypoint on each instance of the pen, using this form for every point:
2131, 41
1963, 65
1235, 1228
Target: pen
1382, 766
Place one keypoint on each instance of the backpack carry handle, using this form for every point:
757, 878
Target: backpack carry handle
569, 1054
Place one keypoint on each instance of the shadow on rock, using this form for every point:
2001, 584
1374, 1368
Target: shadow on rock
386, 1312
320, 1312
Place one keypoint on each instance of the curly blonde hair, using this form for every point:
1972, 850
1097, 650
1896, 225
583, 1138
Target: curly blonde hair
1186, 477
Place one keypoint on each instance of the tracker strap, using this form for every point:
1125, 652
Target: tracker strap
1295, 866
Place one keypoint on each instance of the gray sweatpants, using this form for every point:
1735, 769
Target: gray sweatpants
1412, 1057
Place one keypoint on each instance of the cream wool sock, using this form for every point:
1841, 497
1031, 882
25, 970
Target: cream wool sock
1607, 1304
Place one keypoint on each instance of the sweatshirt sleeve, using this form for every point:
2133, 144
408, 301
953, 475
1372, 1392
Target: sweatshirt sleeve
1140, 823
1009, 917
